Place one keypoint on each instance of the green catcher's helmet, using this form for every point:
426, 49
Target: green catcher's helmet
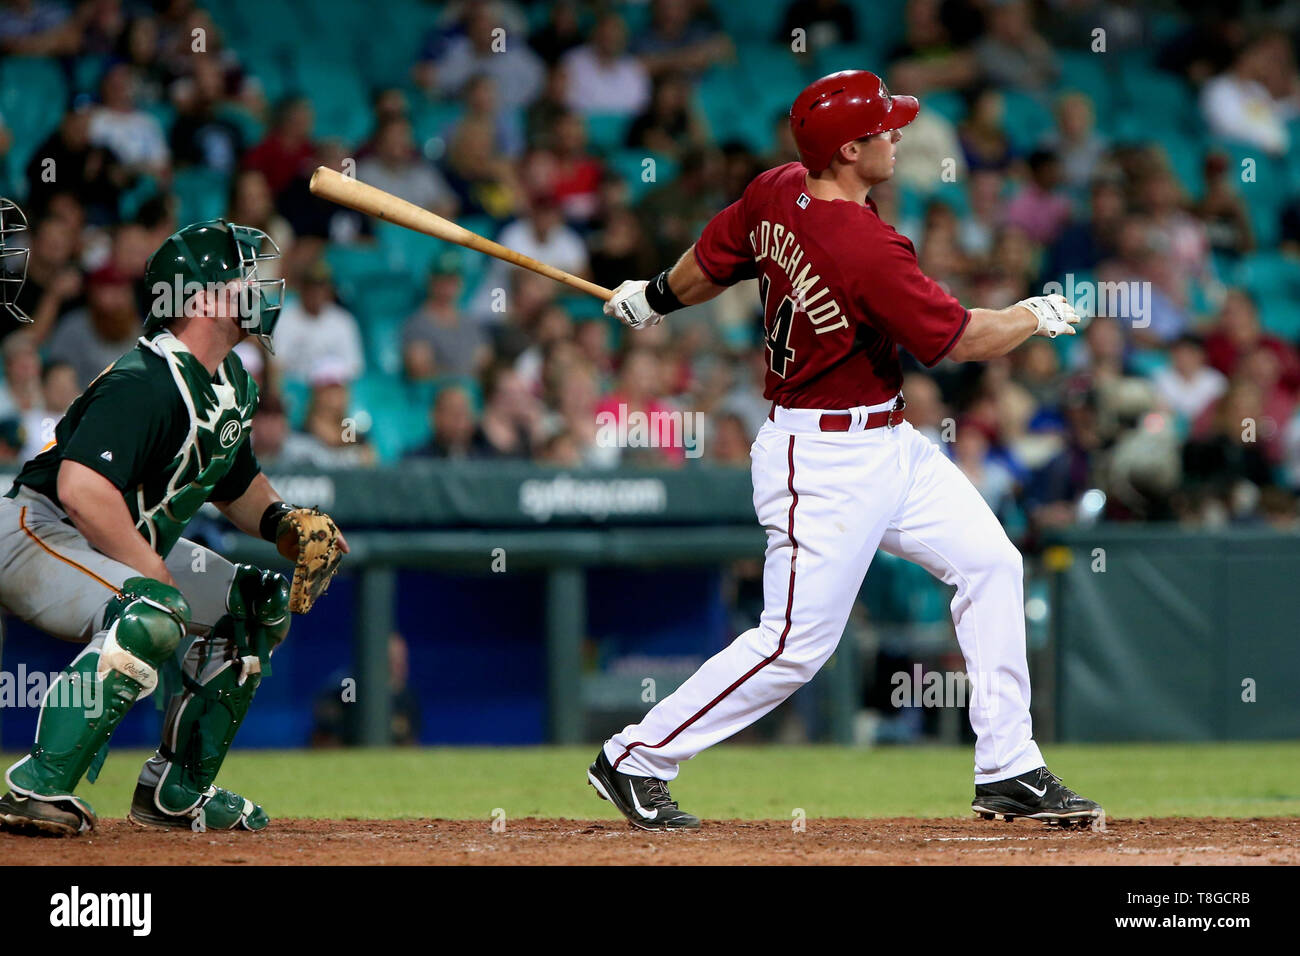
210, 253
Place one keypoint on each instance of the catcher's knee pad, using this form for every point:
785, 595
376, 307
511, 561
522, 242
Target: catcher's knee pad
259, 611
146, 624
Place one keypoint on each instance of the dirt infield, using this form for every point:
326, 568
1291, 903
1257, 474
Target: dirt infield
533, 841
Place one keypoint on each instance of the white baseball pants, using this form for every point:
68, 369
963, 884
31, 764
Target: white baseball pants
829, 500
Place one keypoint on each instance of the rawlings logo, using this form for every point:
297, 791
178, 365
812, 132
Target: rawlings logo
230, 433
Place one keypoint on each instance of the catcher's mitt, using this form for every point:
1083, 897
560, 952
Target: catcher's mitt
309, 538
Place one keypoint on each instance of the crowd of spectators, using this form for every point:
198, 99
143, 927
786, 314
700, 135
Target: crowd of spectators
1180, 403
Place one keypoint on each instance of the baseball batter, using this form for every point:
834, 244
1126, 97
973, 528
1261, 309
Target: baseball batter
837, 472
91, 548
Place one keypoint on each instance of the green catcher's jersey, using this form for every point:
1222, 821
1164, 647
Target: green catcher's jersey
167, 434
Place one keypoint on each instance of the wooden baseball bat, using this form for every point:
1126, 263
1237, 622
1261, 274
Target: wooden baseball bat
346, 191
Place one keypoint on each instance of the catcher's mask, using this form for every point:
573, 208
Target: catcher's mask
210, 255
13, 259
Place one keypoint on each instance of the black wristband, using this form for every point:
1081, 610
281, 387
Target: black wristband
271, 519
660, 296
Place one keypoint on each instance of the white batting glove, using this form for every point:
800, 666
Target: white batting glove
1054, 313
629, 305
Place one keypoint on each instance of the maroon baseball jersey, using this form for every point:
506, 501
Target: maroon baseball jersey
841, 292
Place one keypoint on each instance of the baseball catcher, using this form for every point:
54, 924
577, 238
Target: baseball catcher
91, 549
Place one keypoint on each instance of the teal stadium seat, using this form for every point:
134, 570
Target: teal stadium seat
1093, 74
382, 398
750, 21
631, 167
863, 55
33, 94
1166, 99
434, 120
951, 106
1027, 119
606, 132
201, 193
721, 93
338, 98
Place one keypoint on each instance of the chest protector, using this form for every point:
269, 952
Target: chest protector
220, 412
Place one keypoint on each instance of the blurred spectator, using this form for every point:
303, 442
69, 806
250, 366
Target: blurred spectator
1223, 212
251, 204
677, 210
977, 229
314, 332
1237, 332
1040, 209
287, 150
567, 171
138, 45
640, 391
1187, 385
1076, 143
541, 234
826, 23
20, 391
730, 442
135, 137
924, 409
54, 286
602, 76
1257, 97
270, 429
329, 437
92, 338
934, 53
993, 480
669, 124
38, 28
1232, 451
1012, 53
1089, 239
512, 416
487, 47
560, 34
317, 218
68, 162
59, 389
620, 251
984, 143
482, 101
933, 154
397, 168
439, 338
456, 433
680, 39
336, 720
201, 134
484, 182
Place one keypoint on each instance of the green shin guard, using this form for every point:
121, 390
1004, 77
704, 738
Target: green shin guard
221, 673
87, 702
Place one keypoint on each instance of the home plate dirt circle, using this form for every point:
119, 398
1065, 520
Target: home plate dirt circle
737, 842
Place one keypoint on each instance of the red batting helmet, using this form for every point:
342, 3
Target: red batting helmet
842, 107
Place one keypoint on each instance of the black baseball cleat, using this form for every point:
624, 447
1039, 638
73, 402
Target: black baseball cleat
645, 801
1037, 795
66, 816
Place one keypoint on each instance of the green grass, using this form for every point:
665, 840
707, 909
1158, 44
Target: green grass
1236, 780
